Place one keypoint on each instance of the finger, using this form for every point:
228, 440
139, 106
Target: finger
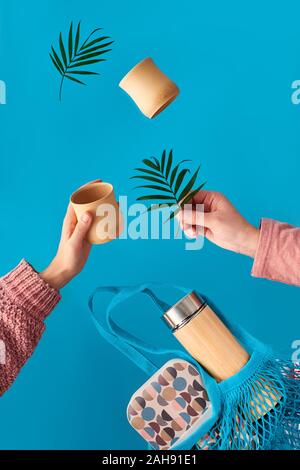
193, 231
207, 198
69, 222
192, 216
189, 230
70, 219
197, 219
82, 228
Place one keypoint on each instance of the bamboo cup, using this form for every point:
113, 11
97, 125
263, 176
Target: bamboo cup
99, 199
196, 326
149, 87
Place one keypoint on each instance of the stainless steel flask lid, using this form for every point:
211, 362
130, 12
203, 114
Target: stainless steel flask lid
185, 308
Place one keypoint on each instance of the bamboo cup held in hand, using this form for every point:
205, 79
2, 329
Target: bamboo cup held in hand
99, 199
209, 341
149, 87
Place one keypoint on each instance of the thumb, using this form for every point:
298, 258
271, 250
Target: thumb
82, 227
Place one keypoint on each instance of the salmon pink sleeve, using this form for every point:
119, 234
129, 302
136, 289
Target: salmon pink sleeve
278, 253
25, 301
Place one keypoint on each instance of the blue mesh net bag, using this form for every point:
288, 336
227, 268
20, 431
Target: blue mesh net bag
258, 407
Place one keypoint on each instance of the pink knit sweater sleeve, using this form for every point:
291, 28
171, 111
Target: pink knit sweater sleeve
25, 301
278, 254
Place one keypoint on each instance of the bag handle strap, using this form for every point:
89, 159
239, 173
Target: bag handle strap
128, 344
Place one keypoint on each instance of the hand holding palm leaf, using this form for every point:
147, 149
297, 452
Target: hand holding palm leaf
75, 56
169, 183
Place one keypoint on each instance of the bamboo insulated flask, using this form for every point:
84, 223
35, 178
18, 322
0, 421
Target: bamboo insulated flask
205, 337
99, 199
209, 341
149, 87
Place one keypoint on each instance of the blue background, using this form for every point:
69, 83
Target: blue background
234, 62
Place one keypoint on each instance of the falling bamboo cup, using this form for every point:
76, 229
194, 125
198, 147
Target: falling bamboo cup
99, 199
196, 326
149, 87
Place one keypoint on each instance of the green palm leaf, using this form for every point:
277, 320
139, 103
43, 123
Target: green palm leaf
70, 42
175, 170
154, 186
180, 179
89, 56
169, 164
87, 62
190, 196
149, 172
169, 181
189, 186
148, 162
89, 36
96, 48
74, 79
58, 61
62, 50
150, 178
77, 56
156, 161
95, 41
82, 72
77, 37
163, 161
155, 196
173, 214
55, 63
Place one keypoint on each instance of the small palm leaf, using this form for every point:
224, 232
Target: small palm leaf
74, 79
175, 170
55, 64
151, 164
189, 186
77, 37
82, 72
190, 196
150, 178
169, 181
180, 179
78, 56
89, 36
57, 60
163, 161
156, 161
154, 186
95, 41
62, 50
70, 42
87, 62
96, 48
169, 164
156, 196
149, 172
173, 214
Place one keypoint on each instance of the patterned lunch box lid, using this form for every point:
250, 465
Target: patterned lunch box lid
170, 405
